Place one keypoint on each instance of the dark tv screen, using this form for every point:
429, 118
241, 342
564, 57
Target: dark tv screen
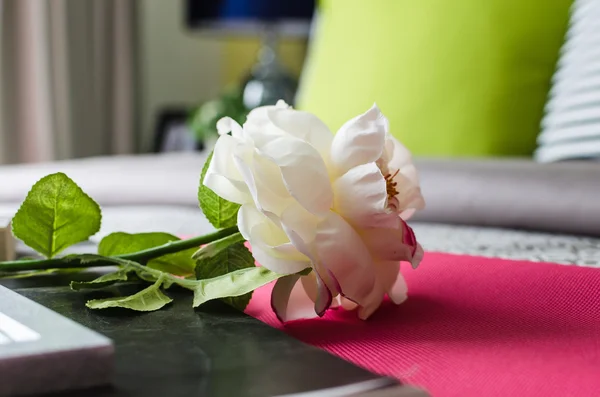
247, 14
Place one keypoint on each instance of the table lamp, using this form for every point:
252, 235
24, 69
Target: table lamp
268, 81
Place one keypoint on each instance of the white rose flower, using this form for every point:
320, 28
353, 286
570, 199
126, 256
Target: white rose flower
308, 198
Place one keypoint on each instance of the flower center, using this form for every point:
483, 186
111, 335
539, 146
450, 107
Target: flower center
390, 185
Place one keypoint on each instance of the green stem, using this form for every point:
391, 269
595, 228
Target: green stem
140, 256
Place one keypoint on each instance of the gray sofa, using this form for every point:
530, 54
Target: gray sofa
465, 199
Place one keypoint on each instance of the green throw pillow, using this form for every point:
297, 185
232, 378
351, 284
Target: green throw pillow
455, 77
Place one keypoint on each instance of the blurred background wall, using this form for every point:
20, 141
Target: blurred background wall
97, 77
103, 77
181, 67
176, 66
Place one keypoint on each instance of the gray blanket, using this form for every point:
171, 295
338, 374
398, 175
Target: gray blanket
559, 197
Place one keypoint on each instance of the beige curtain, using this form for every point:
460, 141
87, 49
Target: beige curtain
66, 79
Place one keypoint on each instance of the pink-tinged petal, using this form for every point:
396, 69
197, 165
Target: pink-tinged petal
398, 292
393, 244
374, 301
280, 295
407, 214
324, 284
289, 301
340, 250
360, 197
348, 304
303, 125
387, 244
309, 283
324, 297
226, 125
417, 257
222, 176
336, 302
409, 238
359, 141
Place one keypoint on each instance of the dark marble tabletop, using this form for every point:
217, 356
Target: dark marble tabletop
211, 351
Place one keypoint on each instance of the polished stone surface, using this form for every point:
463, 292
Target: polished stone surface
178, 351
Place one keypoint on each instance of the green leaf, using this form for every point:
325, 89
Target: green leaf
148, 299
232, 285
233, 257
235, 284
211, 249
55, 215
179, 263
219, 212
102, 281
123, 274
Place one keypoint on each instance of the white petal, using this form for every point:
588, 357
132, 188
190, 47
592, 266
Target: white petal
305, 126
396, 154
222, 176
221, 162
360, 196
227, 125
409, 194
359, 141
303, 170
303, 223
270, 245
264, 181
289, 301
275, 264
249, 217
341, 252
258, 117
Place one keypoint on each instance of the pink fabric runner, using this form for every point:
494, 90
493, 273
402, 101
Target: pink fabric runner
473, 327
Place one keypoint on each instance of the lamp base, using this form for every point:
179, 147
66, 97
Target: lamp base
268, 81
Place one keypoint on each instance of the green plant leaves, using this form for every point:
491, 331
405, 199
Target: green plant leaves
55, 215
103, 281
149, 299
235, 285
180, 263
229, 259
239, 283
219, 212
